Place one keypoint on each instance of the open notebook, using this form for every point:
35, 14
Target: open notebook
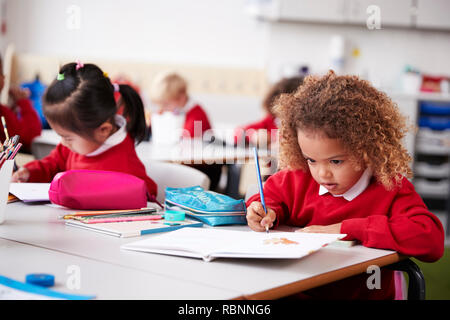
211, 243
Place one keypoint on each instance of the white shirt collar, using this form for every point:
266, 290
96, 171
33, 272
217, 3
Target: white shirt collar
354, 191
114, 139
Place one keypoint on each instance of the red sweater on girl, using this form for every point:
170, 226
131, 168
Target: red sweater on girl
396, 220
121, 158
26, 124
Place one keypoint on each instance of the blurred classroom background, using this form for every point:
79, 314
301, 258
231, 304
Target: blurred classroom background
231, 51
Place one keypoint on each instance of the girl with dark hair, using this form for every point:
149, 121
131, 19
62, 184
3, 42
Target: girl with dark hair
80, 106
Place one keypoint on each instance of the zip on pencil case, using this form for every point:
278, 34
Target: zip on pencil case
207, 206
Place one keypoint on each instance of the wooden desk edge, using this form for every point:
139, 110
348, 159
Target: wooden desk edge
322, 279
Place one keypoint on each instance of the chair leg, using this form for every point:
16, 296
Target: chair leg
233, 179
416, 287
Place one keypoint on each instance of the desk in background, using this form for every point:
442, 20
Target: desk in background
193, 151
187, 152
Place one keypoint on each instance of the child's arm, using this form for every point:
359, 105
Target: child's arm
410, 229
30, 124
45, 169
332, 228
27, 123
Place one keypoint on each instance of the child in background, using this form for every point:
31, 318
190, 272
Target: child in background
21, 118
169, 91
80, 106
344, 172
252, 132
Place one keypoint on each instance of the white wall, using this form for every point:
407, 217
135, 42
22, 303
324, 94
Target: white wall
203, 32
383, 53
217, 33
213, 32
172, 31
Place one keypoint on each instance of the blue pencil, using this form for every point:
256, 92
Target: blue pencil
260, 186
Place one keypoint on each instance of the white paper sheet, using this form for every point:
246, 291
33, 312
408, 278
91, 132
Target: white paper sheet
29, 192
210, 243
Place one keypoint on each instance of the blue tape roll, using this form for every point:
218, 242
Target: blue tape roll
174, 215
40, 279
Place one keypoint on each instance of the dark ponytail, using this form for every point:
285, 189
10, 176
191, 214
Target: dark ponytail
133, 112
81, 98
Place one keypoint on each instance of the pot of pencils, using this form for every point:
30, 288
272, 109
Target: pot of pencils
8, 151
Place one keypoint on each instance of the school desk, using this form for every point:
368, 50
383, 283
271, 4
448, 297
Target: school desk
40, 234
83, 276
192, 151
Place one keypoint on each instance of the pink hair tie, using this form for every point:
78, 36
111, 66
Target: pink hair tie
79, 65
116, 87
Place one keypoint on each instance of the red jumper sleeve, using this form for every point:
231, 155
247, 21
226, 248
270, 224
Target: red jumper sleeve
45, 169
409, 228
27, 125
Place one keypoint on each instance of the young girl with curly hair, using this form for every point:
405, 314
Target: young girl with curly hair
344, 170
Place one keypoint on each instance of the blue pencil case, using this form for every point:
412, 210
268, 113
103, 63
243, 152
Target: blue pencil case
207, 206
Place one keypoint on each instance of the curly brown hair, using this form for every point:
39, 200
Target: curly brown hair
367, 122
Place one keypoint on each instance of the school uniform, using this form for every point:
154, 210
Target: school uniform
196, 120
397, 220
268, 123
25, 122
117, 153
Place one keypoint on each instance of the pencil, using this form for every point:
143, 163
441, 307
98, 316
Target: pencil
15, 150
5, 129
105, 213
260, 186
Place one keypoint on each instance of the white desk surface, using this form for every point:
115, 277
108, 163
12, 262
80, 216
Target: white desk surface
38, 225
189, 151
100, 279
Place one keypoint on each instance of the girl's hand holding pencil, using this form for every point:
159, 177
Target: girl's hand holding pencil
21, 175
257, 219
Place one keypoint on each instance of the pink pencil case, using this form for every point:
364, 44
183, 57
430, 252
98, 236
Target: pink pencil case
98, 190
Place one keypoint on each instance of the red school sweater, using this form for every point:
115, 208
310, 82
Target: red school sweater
193, 115
26, 124
121, 158
268, 123
396, 220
